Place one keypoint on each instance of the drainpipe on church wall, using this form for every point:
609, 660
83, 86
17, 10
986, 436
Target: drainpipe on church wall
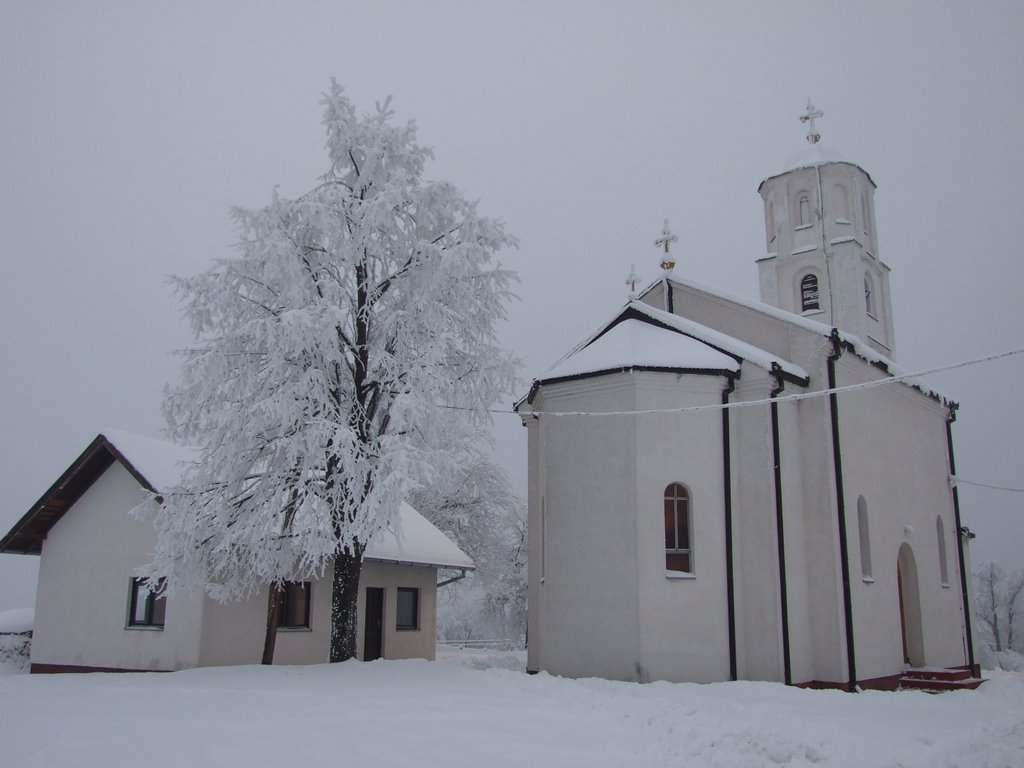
780, 532
960, 538
844, 551
730, 590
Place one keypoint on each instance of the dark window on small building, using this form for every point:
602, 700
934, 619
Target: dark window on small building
678, 553
809, 293
147, 608
295, 605
408, 610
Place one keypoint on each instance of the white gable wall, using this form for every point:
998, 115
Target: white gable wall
88, 560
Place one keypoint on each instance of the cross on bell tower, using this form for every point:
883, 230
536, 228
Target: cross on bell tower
810, 116
666, 239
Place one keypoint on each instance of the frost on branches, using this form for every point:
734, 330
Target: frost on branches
323, 352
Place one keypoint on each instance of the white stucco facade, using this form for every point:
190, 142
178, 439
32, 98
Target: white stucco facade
826, 546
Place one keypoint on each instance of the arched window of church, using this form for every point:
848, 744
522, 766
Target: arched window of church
869, 296
940, 534
840, 204
678, 548
809, 293
805, 210
865, 539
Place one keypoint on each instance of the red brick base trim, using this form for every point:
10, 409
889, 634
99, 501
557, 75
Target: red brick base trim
888, 683
53, 669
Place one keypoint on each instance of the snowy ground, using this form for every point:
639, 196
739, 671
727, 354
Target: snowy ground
446, 713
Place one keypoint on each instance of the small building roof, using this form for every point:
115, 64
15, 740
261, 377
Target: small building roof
157, 465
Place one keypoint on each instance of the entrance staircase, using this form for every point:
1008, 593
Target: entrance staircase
938, 679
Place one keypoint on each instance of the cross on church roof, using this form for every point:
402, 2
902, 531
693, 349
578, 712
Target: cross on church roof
666, 239
632, 281
810, 116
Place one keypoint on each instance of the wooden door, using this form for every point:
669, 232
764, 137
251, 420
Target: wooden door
373, 629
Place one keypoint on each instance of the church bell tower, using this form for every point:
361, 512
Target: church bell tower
822, 260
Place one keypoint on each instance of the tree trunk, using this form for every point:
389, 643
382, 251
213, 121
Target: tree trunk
273, 619
344, 603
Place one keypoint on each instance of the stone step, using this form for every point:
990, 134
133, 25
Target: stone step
936, 680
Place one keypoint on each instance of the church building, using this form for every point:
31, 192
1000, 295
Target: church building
723, 489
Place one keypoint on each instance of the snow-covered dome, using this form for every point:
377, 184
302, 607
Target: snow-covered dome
812, 155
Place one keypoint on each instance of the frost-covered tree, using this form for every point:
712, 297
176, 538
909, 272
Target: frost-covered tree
476, 506
324, 351
998, 603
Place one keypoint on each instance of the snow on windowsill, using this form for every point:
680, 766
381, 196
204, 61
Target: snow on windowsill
945, 585
841, 240
803, 226
868, 580
843, 221
680, 575
812, 312
805, 249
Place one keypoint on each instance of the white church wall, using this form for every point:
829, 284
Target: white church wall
683, 620
82, 601
759, 643
588, 605
820, 533
894, 454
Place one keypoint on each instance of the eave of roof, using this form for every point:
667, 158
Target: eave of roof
26, 536
848, 341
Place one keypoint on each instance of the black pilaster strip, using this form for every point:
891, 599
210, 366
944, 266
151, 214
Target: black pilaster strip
959, 536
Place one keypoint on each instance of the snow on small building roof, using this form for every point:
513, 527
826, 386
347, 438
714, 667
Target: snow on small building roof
417, 541
640, 337
158, 465
17, 620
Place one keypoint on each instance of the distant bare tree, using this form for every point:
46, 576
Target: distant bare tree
997, 604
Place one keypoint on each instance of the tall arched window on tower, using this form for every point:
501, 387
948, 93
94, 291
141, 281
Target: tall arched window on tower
805, 210
809, 293
678, 551
940, 535
869, 296
865, 539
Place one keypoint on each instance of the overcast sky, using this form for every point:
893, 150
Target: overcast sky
128, 130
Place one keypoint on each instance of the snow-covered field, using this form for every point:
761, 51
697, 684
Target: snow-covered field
448, 713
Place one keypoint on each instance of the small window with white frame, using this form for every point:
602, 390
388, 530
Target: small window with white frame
147, 607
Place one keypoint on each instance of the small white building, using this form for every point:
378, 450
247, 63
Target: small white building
688, 522
92, 614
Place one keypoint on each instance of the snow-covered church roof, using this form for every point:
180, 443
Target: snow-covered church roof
641, 337
158, 465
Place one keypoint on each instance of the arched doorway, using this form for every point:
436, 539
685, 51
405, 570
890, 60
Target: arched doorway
910, 607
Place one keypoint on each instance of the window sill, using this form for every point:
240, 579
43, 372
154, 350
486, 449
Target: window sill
843, 221
294, 629
143, 628
945, 585
407, 629
680, 575
868, 580
803, 226
812, 312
